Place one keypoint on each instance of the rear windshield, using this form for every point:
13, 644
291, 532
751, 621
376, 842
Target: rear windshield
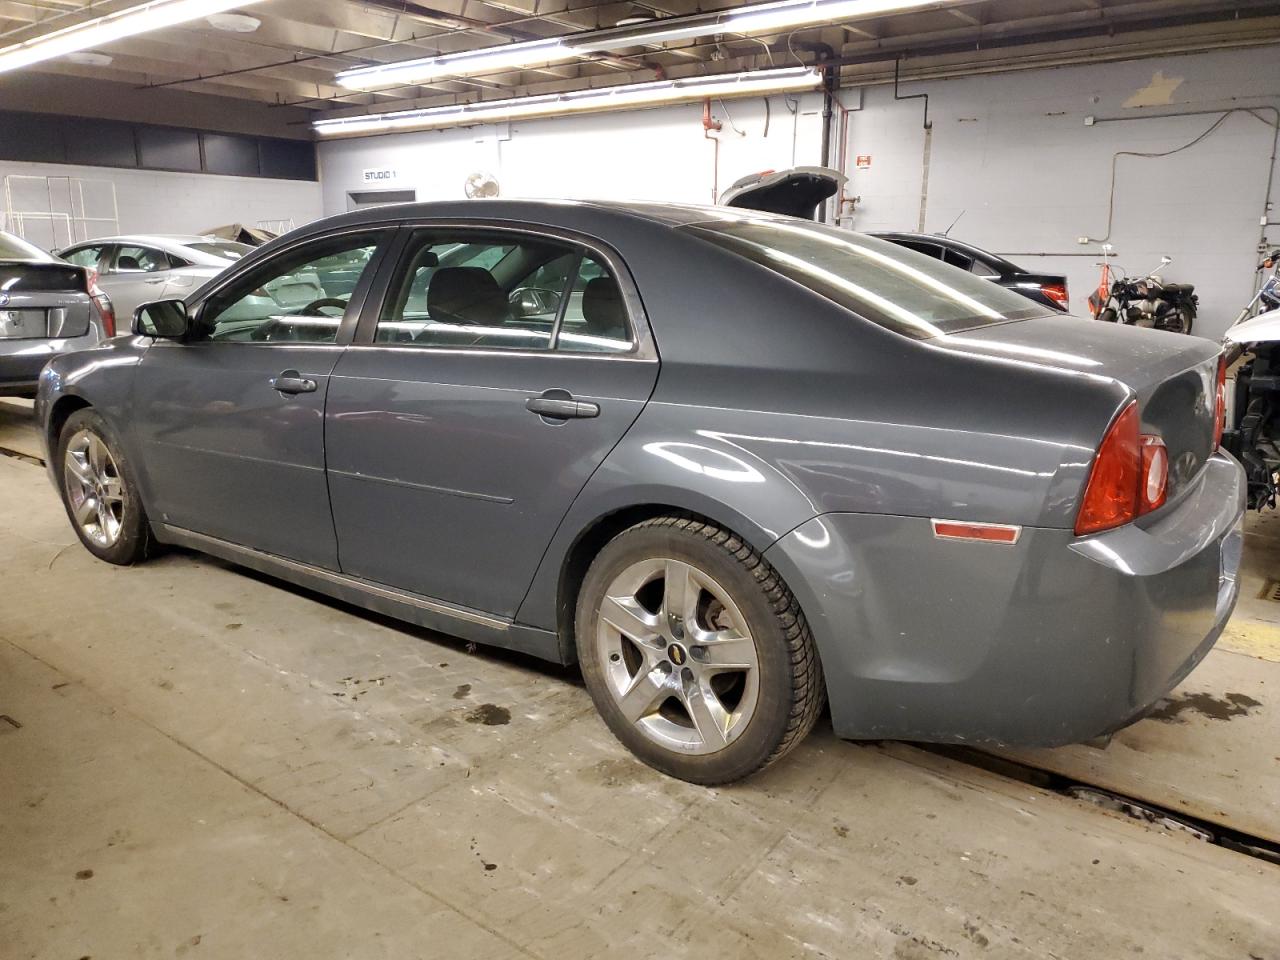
908, 292
226, 249
15, 248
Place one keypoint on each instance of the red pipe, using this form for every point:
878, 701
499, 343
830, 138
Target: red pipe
709, 124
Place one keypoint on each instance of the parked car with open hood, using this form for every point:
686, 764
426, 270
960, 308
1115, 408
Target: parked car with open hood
800, 191
47, 308
733, 464
141, 267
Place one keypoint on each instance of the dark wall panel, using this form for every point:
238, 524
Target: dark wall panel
165, 148
41, 138
287, 159
106, 143
29, 136
237, 156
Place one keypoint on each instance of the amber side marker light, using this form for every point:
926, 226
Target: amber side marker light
990, 532
1129, 477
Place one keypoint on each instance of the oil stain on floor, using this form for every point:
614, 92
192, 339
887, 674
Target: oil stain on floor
1215, 708
490, 715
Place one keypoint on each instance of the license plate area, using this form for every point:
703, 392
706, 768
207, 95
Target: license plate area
23, 324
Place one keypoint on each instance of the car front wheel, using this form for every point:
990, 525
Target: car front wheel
695, 652
98, 491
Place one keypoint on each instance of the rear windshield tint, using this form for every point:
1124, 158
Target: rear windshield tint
40, 277
226, 249
908, 292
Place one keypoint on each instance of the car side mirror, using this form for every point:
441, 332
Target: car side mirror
166, 319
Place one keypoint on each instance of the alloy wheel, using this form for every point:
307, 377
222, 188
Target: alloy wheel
95, 489
677, 656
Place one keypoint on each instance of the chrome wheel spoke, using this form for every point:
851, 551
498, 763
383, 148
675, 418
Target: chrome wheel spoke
112, 490
725, 650
79, 469
679, 591
96, 456
707, 713
86, 510
630, 619
647, 692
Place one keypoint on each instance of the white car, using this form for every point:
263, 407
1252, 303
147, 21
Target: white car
137, 269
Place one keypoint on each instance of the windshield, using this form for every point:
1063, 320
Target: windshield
907, 292
224, 249
15, 248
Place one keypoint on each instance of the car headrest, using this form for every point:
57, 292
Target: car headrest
466, 295
603, 310
128, 263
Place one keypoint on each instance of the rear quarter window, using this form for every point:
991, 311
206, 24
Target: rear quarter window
888, 284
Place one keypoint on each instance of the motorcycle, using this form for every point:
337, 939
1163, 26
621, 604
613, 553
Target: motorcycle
1252, 433
1147, 301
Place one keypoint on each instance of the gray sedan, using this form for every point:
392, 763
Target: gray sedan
47, 307
141, 267
732, 464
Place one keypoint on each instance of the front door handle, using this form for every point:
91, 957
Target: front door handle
561, 406
293, 382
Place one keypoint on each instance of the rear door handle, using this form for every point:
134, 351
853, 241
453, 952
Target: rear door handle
562, 408
293, 382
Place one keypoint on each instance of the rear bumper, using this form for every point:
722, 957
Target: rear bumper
1055, 639
22, 360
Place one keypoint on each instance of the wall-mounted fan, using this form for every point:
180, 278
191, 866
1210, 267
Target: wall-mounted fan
481, 185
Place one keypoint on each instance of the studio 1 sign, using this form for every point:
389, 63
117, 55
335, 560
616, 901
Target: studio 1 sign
380, 175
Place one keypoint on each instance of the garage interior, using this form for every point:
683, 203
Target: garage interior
201, 760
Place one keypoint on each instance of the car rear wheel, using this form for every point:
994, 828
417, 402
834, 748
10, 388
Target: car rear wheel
98, 491
695, 652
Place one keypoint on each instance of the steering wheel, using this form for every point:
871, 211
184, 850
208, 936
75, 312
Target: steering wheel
323, 302
269, 329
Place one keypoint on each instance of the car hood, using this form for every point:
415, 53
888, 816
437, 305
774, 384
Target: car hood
794, 193
1263, 328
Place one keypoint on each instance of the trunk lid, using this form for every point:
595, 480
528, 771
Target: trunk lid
41, 300
1174, 376
794, 193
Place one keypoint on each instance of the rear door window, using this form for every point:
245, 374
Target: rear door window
136, 259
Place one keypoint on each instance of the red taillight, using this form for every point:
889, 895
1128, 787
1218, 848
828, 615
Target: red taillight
1057, 292
102, 303
1220, 404
1129, 477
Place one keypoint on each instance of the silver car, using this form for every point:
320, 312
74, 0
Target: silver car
138, 268
47, 308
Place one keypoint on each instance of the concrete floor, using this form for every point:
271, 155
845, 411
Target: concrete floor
195, 761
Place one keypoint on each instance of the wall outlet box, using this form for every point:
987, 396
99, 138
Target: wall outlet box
1090, 120
1082, 239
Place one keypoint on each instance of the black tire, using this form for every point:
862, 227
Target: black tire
791, 691
134, 542
1107, 315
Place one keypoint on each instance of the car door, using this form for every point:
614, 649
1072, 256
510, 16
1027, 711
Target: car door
230, 421
133, 274
490, 377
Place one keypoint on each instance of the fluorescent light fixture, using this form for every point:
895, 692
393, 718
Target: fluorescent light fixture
130, 22
754, 18
509, 56
621, 97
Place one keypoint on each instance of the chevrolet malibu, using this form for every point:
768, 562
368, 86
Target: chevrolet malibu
733, 464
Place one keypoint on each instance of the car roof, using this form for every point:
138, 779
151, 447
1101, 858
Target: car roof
153, 239
602, 213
